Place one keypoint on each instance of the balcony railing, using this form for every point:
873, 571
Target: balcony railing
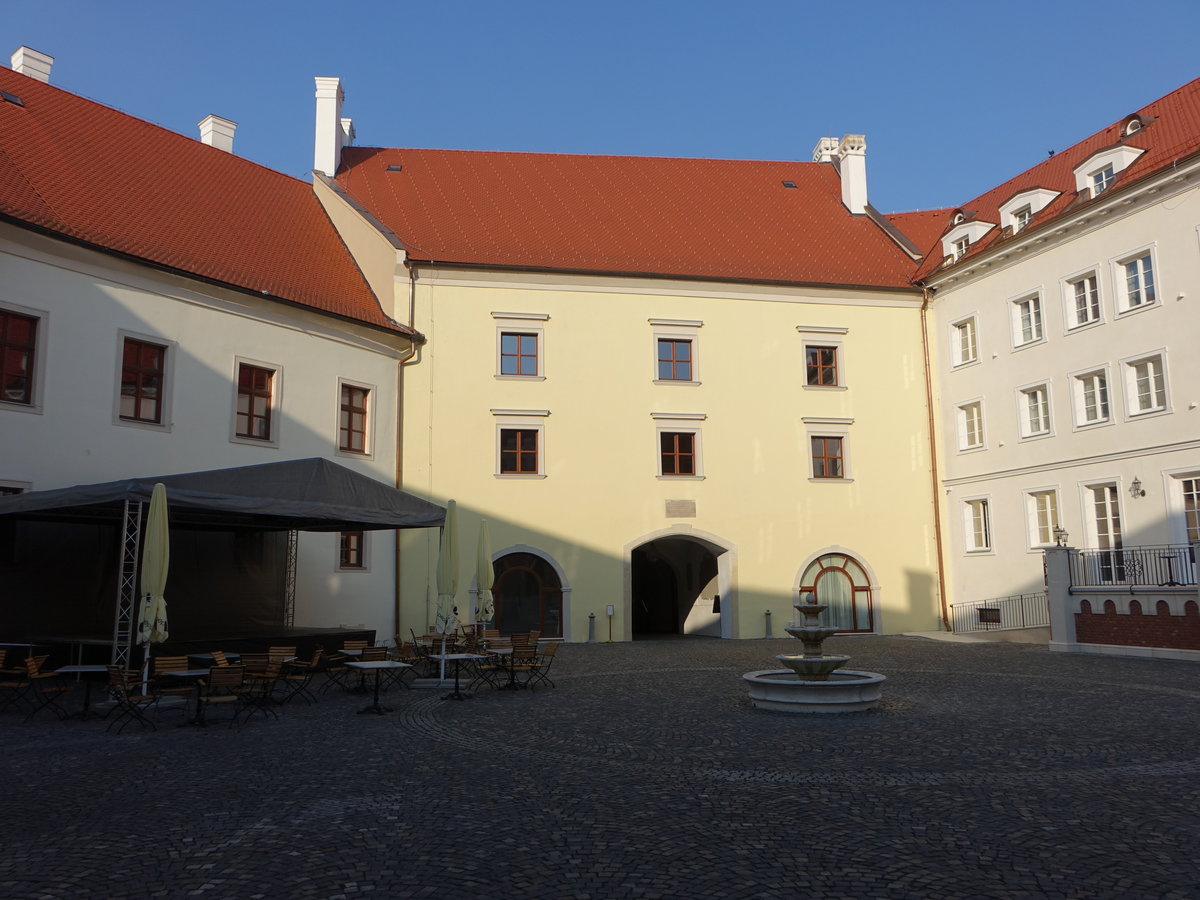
1166, 566
999, 613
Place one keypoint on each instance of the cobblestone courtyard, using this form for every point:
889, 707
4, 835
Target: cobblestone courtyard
990, 770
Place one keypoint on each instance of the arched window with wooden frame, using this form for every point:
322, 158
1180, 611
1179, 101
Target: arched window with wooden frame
841, 583
528, 595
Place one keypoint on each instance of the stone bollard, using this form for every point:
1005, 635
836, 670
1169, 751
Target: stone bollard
768, 635
591, 628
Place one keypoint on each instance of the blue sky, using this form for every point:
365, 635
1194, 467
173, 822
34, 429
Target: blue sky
953, 97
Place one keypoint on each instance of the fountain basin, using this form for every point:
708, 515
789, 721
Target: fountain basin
783, 690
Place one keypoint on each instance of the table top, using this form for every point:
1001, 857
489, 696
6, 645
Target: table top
379, 664
66, 670
210, 656
356, 652
500, 651
185, 673
452, 656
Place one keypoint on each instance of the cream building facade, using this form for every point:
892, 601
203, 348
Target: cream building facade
655, 451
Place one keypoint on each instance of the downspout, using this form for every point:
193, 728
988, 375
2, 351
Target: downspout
404, 360
933, 458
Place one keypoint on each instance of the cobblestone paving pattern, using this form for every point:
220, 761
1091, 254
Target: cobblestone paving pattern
989, 770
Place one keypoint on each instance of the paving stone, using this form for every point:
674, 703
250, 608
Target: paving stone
989, 770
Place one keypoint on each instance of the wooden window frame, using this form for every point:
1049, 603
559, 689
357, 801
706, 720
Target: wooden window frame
826, 465
352, 551
511, 461
816, 369
673, 361
138, 373
348, 410
671, 454
18, 358
523, 361
244, 420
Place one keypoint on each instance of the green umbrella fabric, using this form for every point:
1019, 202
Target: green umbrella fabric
484, 576
156, 559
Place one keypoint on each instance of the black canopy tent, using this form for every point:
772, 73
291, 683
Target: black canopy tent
240, 520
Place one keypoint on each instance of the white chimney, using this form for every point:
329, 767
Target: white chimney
218, 132
852, 156
330, 137
825, 150
347, 132
30, 62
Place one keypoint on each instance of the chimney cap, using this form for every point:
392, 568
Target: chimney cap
217, 132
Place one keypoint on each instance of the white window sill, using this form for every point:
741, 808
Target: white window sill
272, 444
355, 454
1040, 436
680, 477
675, 381
1025, 346
21, 407
145, 426
1084, 326
1147, 414
349, 569
816, 480
986, 551
1134, 310
825, 387
965, 364
1090, 426
975, 449
519, 377
515, 476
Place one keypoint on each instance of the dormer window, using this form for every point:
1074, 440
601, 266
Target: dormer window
958, 219
1019, 209
958, 240
1097, 173
1101, 179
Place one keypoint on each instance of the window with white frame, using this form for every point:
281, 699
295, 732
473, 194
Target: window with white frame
256, 403
355, 418
970, 426
1043, 517
824, 356
1021, 217
1136, 279
828, 447
144, 381
1027, 320
1083, 300
963, 342
519, 346
1190, 488
961, 246
520, 443
678, 438
978, 523
1145, 385
1091, 398
1101, 179
676, 351
1035, 410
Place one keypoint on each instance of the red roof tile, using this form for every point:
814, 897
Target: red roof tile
923, 227
692, 218
1173, 134
87, 172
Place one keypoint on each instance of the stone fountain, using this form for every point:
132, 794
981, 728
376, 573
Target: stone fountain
813, 682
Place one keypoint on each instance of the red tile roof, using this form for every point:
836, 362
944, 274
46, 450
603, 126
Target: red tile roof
692, 218
1173, 134
923, 227
86, 172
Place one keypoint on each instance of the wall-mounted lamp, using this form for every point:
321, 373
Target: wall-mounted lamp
1135, 488
1060, 536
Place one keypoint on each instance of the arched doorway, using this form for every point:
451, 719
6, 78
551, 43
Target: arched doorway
674, 589
841, 583
528, 595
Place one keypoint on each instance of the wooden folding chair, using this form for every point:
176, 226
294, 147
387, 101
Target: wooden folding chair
45, 688
131, 698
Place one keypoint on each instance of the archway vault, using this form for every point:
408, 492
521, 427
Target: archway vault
724, 556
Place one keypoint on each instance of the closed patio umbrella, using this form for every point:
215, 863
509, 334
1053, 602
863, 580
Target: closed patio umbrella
484, 576
156, 558
447, 576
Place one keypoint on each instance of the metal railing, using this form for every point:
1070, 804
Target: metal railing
999, 613
1165, 566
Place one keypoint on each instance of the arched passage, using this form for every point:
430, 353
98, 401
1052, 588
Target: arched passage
678, 585
527, 594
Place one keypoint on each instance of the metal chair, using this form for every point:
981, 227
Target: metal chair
46, 688
131, 697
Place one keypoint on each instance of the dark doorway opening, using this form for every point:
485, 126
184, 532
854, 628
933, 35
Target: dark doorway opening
674, 589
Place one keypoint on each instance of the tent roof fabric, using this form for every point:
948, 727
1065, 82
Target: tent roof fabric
303, 494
